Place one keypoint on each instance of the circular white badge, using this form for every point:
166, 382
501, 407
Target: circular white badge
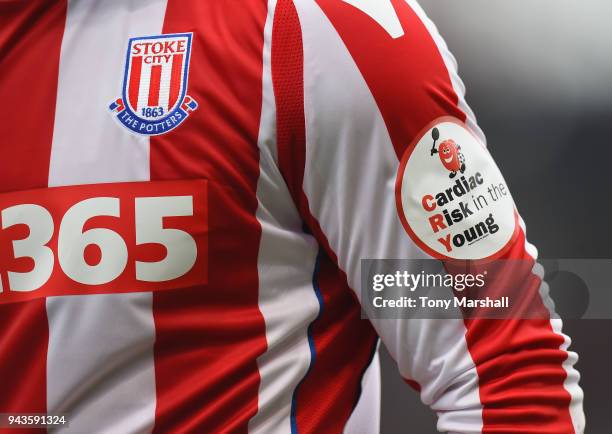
452, 197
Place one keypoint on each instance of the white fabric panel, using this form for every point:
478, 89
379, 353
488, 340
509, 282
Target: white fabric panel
90, 77
164, 89
287, 301
286, 263
346, 138
382, 12
145, 86
100, 367
366, 416
451, 65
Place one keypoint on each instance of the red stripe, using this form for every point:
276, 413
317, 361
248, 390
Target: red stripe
288, 81
135, 74
154, 84
343, 341
208, 338
343, 346
520, 373
175, 79
30, 40
407, 76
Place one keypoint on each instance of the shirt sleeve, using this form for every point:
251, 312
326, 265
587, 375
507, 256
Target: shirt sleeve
373, 130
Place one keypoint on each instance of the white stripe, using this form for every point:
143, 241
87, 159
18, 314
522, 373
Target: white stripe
451, 66
287, 302
366, 416
351, 166
144, 86
382, 12
286, 262
164, 89
100, 368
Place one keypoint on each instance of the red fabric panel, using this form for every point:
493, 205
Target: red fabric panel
208, 338
407, 75
344, 345
30, 40
288, 82
135, 74
156, 71
175, 79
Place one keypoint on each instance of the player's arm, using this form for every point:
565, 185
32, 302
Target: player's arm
359, 116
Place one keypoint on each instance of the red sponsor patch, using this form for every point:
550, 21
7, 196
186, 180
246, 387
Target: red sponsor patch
103, 238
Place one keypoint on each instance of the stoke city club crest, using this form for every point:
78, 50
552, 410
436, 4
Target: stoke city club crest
154, 100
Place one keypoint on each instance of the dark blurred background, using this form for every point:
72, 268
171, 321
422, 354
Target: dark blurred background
539, 77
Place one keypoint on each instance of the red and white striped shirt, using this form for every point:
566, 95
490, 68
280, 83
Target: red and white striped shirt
189, 260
